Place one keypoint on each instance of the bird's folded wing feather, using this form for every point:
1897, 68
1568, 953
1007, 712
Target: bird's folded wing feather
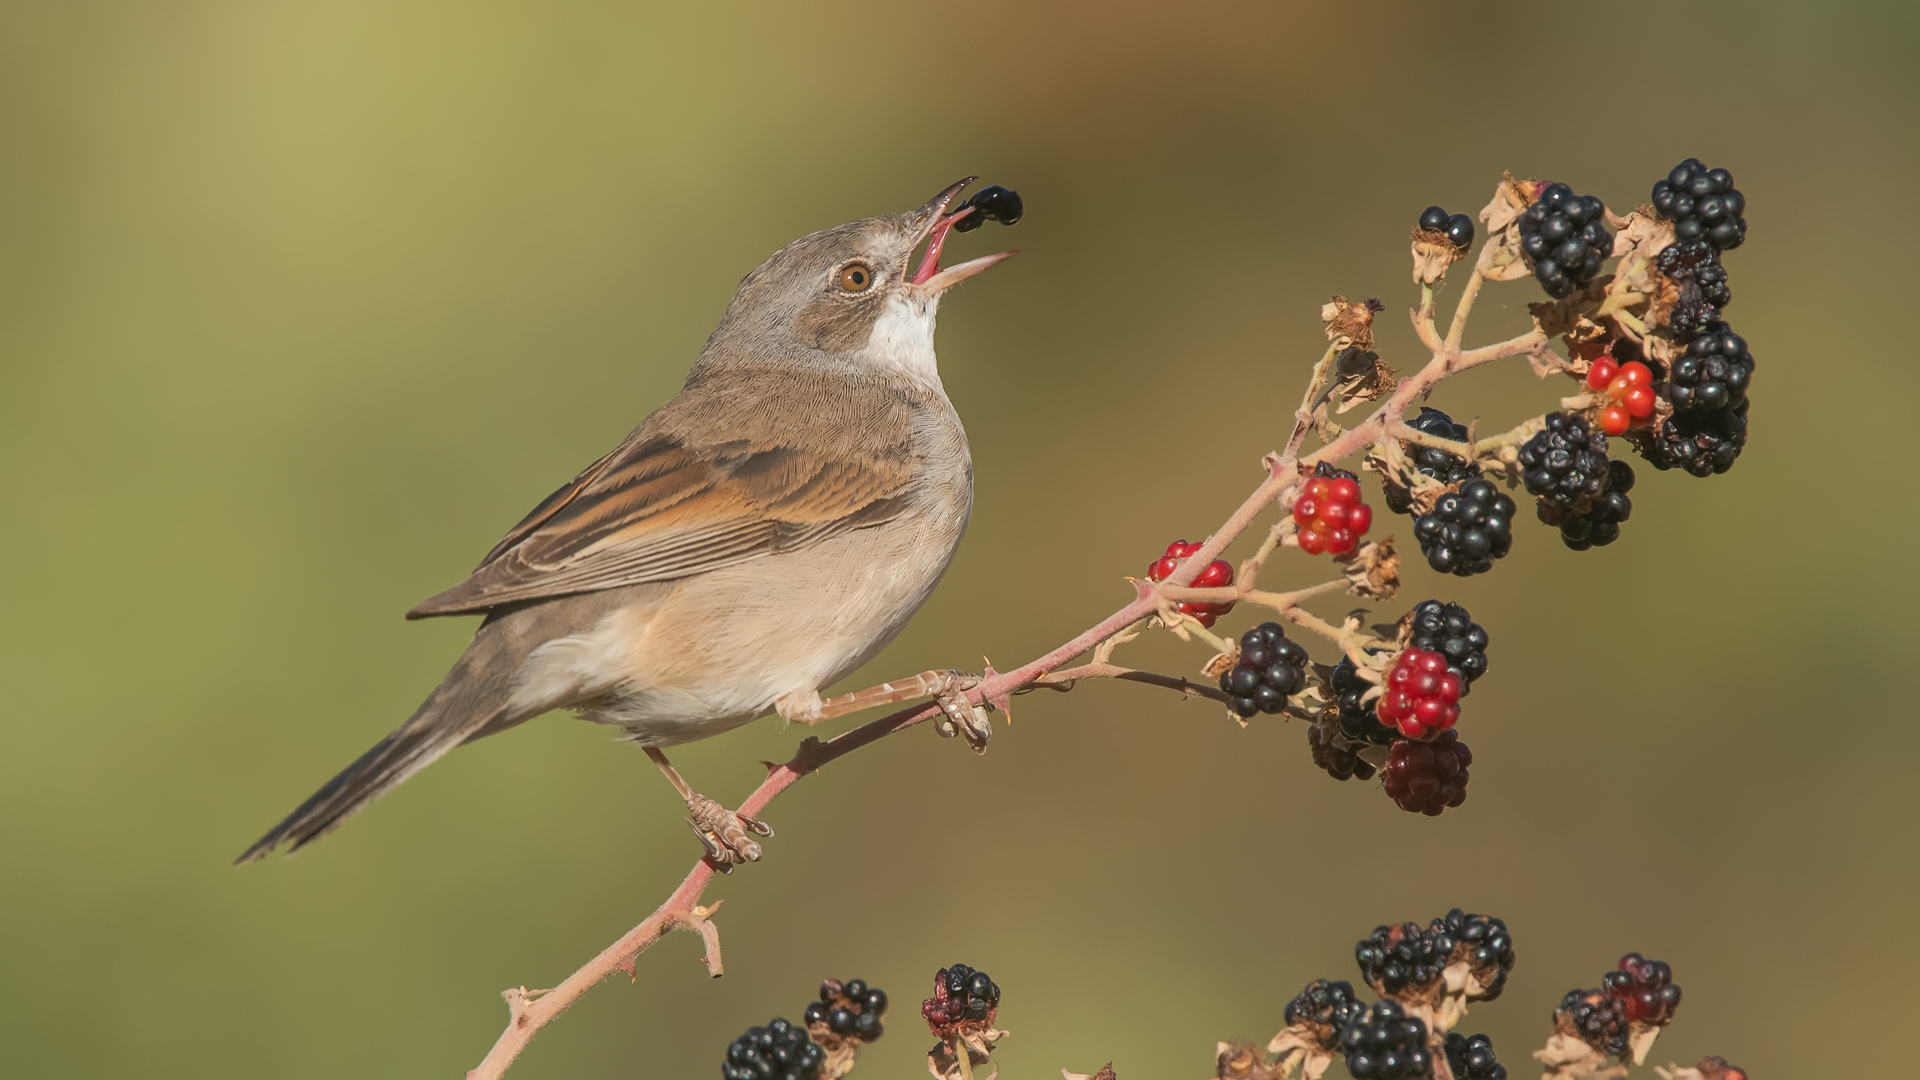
660, 508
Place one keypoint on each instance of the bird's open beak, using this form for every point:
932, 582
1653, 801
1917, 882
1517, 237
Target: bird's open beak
931, 277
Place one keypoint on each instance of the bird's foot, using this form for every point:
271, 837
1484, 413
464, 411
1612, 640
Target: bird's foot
724, 833
960, 716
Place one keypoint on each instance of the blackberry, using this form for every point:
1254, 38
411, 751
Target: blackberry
1646, 986
1467, 530
1328, 1007
1713, 373
1565, 462
1599, 1020
1270, 668
1471, 1058
1695, 269
1431, 461
777, 1050
1359, 723
1428, 777
1448, 630
1703, 205
1395, 958
1564, 238
1337, 762
1457, 227
960, 995
1386, 1044
1599, 524
851, 1009
1483, 942
990, 203
1702, 444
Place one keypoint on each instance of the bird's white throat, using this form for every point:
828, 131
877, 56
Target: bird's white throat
903, 335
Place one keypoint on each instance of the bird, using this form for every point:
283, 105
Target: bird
754, 540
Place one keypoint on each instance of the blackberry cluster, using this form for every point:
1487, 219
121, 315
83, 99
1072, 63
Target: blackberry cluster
777, 1050
1564, 238
1700, 443
1428, 777
1566, 462
1599, 524
1486, 946
1269, 669
1448, 630
1471, 1058
851, 1009
1713, 373
1386, 1044
1359, 723
1695, 269
1431, 461
1466, 530
1646, 986
1703, 205
1458, 227
1596, 1018
1337, 762
990, 203
1328, 1006
960, 995
1394, 958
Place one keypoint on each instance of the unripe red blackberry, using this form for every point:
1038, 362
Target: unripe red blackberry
1386, 1044
1329, 512
1216, 574
1428, 777
1471, 1058
777, 1050
1270, 668
1646, 986
1564, 238
1422, 695
1327, 1006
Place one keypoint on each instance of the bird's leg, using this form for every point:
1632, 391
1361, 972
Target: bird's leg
949, 688
721, 831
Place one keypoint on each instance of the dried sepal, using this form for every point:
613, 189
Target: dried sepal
1372, 569
1711, 1068
1568, 1057
1500, 259
1350, 321
979, 1041
841, 1050
1640, 1036
1362, 376
1432, 254
1222, 662
1299, 1050
1106, 1073
1242, 1061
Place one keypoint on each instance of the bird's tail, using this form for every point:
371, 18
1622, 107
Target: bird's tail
473, 696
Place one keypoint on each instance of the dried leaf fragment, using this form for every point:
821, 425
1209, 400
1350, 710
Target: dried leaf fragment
1372, 569
1348, 320
1432, 254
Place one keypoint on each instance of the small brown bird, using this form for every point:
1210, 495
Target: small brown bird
759, 537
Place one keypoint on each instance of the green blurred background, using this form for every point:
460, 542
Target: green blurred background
303, 304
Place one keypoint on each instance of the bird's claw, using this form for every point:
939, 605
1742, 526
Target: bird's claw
724, 833
958, 715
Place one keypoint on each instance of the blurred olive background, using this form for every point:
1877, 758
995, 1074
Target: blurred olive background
303, 304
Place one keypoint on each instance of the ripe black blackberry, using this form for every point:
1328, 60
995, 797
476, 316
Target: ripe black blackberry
1457, 227
1327, 1006
1695, 269
1359, 723
1397, 958
1431, 461
1565, 462
1448, 630
1564, 238
1467, 530
1337, 762
1599, 524
1386, 1044
1700, 443
1484, 944
1713, 373
1471, 1058
1596, 1018
851, 1009
990, 203
777, 1050
1270, 668
1703, 205
960, 995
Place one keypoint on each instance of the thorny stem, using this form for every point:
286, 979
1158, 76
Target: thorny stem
529, 1012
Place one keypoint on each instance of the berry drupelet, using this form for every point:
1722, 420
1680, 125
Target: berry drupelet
961, 995
1713, 373
1397, 958
1386, 1044
1422, 695
1599, 524
1450, 631
777, 1050
1703, 205
851, 1009
1328, 1007
1566, 461
1467, 530
1431, 461
1428, 777
1564, 238
1329, 512
1597, 1019
1216, 574
1695, 269
1457, 227
990, 203
1359, 723
1270, 668
1700, 443
1646, 986
1471, 1058
1337, 762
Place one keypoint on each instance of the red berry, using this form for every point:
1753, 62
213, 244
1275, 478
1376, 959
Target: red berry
1614, 419
1602, 372
1422, 695
1216, 574
1428, 777
1345, 491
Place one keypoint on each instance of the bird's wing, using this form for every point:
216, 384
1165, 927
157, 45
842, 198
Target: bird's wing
663, 507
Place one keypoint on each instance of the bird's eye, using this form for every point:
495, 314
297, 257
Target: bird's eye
855, 278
